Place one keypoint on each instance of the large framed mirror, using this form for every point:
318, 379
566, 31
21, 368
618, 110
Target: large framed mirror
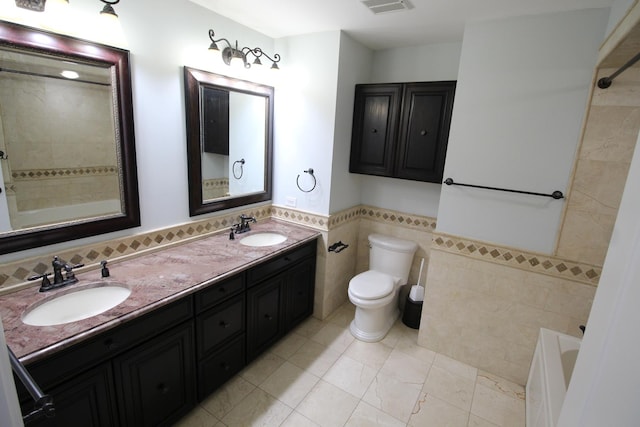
229, 141
68, 158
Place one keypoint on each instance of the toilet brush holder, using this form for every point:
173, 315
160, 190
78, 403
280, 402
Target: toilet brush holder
412, 313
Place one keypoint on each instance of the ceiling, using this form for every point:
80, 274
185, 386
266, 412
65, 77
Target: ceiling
429, 21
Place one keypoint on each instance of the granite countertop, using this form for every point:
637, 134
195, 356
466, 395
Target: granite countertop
155, 279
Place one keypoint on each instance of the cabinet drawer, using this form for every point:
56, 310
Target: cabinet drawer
67, 363
279, 263
217, 292
218, 324
219, 367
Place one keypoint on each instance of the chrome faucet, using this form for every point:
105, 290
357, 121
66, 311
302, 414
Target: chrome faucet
243, 226
59, 280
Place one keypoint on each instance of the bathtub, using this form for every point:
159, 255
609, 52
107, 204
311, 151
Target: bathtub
37, 217
549, 377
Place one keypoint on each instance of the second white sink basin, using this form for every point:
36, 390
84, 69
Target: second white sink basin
77, 304
263, 239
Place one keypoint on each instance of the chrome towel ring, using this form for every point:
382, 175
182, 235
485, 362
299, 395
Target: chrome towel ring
315, 182
241, 161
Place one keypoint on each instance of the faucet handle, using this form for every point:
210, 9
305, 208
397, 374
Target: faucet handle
46, 283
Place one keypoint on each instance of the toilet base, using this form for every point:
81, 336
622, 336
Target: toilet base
372, 325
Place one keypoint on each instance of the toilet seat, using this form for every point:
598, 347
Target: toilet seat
371, 285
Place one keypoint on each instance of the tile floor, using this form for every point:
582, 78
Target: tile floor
319, 375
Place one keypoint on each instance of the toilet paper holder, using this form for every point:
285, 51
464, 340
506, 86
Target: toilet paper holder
338, 247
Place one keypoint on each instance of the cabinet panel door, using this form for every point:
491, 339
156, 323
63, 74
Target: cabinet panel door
87, 400
264, 324
299, 293
375, 123
216, 369
215, 121
156, 381
426, 117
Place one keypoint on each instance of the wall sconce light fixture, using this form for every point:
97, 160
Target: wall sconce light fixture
35, 5
108, 8
230, 52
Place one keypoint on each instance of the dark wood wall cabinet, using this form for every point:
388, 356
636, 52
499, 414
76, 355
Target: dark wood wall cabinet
153, 370
401, 130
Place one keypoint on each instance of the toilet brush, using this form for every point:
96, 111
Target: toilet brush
416, 294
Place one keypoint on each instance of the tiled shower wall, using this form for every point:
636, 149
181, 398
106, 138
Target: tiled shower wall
601, 170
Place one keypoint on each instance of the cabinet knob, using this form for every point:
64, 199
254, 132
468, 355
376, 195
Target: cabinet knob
225, 324
111, 344
268, 316
225, 366
163, 388
222, 290
374, 130
423, 132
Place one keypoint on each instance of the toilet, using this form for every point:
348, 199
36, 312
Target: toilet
375, 292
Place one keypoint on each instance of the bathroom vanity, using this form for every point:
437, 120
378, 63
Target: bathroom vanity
197, 314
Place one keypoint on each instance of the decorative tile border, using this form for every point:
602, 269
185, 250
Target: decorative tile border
418, 222
316, 221
32, 174
516, 258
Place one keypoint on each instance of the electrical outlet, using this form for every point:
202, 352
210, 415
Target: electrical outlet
291, 202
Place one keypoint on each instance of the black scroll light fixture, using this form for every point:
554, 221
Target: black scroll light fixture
230, 52
39, 5
108, 8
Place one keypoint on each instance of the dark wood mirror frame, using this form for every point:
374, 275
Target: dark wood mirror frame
65, 47
194, 80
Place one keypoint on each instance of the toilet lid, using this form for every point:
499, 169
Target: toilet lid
371, 285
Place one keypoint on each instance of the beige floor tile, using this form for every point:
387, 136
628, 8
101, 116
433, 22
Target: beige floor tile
393, 396
260, 369
224, 399
296, 419
351, 376
453, 366
495, 406
309, 327
199, 417
431, 411
449, 387
408, 344
372, 354
343, 315
327, 405
333, 336
476, 421
366, 415
289, 384
394, 334
405, 368
315, 358
507, 387
258, 409
288, 345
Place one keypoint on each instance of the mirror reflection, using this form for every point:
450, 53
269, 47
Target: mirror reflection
58, 138
67, 146
229, 140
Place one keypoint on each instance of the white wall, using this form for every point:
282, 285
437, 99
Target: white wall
419, 63
305, 119
618, 10
606, 379
354, 67
520, 101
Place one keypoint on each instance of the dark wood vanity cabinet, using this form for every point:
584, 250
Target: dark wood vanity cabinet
279, 296
401, 130
151, 371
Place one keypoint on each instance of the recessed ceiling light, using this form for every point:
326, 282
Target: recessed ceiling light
69, 74
384, 6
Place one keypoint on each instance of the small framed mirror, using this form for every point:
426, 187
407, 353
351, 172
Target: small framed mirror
229, 141
68, 158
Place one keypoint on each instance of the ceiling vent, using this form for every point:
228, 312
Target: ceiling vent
384, 6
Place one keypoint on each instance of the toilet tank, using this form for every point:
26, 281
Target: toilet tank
391, 255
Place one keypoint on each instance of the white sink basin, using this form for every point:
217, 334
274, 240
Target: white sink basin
77, 304
263, 239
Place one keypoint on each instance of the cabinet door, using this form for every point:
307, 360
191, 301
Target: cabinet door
215, 370
375, 123
87, 400
156, 380
215, 121
426, 117
299, 293
264, 324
